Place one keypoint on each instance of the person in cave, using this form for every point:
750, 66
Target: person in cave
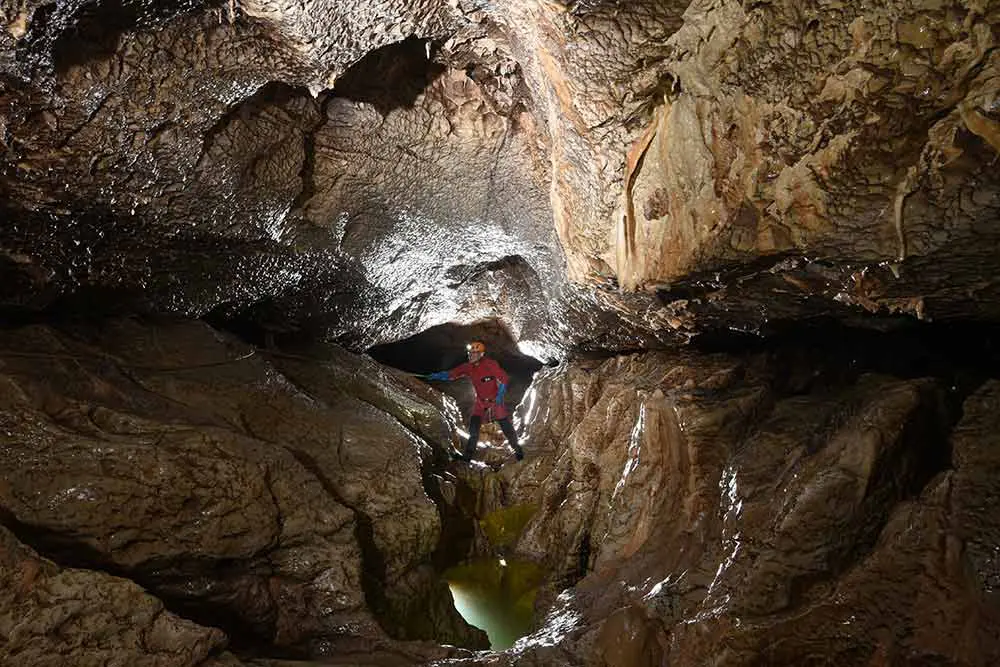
489, 380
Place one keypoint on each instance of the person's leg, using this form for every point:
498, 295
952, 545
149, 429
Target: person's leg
470, 445
508, 430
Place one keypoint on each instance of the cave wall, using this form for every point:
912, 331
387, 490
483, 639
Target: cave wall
371, 171
248, 492
754, 509
593, 176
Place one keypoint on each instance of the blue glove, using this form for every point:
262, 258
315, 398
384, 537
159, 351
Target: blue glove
440, 375
501, 390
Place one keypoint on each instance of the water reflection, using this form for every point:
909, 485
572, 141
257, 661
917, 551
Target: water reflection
497, 596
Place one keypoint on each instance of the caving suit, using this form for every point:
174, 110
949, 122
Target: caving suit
486, 376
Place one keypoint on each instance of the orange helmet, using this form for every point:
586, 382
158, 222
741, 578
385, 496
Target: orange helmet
476, 346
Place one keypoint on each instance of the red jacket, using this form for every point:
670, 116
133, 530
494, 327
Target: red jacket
486, 376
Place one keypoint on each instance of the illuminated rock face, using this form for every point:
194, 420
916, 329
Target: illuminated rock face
588, 176
369, 170
248, 492
188, 158
715, 509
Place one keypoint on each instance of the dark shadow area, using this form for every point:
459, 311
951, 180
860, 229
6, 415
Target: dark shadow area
900, 473
391, 77
92, 265
962, 354
443, 348
824, 355
92, 31
86, 305
294, 321
269, 96
172, 582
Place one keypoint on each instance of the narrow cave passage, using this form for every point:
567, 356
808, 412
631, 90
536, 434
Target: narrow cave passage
491, 592
443, 347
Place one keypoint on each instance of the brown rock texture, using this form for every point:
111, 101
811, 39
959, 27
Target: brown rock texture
190, 136
378, 169
55, 616
592, 182
292, 513
699, 510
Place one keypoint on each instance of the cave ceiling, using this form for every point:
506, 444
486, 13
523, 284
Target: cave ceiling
593, 174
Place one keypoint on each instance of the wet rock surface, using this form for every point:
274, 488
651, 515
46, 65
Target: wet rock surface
691, 506
612, 183
371, 171
730, 508
247, 497
55, 616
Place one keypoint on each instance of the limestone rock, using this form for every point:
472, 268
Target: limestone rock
374, 170
185, 461
63, 616
699, 509
588, 176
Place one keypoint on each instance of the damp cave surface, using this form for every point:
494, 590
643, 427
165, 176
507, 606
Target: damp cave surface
495, 596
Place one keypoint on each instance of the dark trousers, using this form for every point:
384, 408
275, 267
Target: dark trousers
505, 426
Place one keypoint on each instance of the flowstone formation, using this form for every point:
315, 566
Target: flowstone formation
768, 508
210, 210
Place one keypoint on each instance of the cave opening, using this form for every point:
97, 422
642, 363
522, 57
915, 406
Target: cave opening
443, 347
390, 77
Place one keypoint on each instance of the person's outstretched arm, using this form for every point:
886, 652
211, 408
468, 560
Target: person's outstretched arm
454, 374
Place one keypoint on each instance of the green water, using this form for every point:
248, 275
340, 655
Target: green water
497, 597
504, 526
